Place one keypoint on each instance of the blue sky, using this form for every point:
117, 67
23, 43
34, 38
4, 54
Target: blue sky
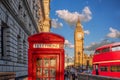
100, 20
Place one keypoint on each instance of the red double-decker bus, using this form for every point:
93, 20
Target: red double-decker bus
106, 60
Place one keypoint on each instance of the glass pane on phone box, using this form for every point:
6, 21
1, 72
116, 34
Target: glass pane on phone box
45, 79
52, 72
52, 61
46, 62
52, 78
39, 79
39, 62
45, 72
39, 72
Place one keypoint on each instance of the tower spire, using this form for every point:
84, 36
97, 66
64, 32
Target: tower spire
78, 42
78, 21
78, 24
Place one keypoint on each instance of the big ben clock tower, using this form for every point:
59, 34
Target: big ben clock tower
78, 42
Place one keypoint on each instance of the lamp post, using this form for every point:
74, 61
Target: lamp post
67, 60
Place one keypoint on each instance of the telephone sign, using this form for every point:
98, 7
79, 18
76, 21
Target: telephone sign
46, 57
46, 46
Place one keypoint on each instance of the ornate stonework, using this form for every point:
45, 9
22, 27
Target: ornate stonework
18, 20
44, 22
78, 42
80, 58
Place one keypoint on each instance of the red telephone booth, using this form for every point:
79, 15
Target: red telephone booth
46, 57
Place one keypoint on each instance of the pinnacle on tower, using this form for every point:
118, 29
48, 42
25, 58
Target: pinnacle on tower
78, 21
78, 24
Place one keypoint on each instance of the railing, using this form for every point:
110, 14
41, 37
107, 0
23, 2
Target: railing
7, 75
94, 77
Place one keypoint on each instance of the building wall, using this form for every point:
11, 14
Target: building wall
78, 42
87, 60
81, 59
18, 20
46, 20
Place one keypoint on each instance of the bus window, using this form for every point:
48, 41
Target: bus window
97, 51
115, 68
116, 48
106, 49
103, 68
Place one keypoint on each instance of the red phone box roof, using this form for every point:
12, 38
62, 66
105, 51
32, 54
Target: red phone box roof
46, 38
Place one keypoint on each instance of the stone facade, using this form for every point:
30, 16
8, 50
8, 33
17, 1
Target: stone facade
87, 60
80, 58
78, 42
18, 20
44, 21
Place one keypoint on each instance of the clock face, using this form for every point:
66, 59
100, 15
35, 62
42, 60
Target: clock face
79, 36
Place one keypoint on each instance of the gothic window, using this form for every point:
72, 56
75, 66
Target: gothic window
30, 28
4, 29
18, 48
25, 17
24, 51
2, 41
20, 10
19, 7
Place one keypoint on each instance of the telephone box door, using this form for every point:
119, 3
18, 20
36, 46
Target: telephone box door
46, 67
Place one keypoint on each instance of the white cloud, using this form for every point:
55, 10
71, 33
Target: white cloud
72, 17
95, 45
56, 24
68, 44
86, 14
114, 33
87, 32
71, 46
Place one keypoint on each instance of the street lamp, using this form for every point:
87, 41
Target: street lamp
67, 60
